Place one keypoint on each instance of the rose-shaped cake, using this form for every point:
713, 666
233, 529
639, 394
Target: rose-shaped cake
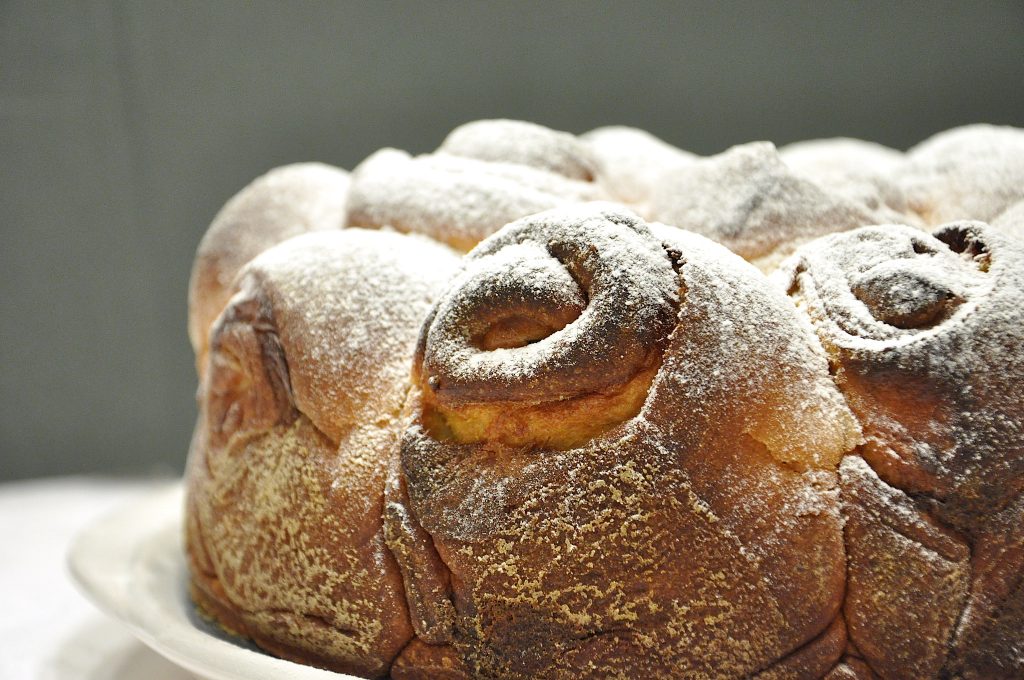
506, 411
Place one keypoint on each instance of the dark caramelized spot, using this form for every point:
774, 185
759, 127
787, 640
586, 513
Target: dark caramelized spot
897, 294
922, 248
966, 239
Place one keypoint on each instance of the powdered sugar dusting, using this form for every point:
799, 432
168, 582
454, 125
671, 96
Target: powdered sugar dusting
349, 305
877, 275
287, 512
926, 335
704, 530
458, 201
630, 162
625, 274
1011, 221
742, 355
516, 141
858, 170
973, 172
285, 202
747, 199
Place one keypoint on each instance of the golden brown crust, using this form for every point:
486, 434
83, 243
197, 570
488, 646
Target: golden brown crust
905, 573
426, 579
987, 639
924, 334
814, 659
298, 422
420, 661
626, 554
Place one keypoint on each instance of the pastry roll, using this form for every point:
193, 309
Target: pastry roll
522, 143
861, 171
630, 162
485, 175
1011, 221
924, 334
973, 172
622, 446
749, 200
300, 415
500, 429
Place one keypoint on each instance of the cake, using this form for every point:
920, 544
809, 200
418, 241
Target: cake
539, 405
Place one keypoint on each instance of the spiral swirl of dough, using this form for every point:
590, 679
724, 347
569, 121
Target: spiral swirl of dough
555, 306
881, 286
925, 332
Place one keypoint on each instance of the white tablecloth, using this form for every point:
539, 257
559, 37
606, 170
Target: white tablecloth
48, 630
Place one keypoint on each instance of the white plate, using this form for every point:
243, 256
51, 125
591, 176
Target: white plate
131, 565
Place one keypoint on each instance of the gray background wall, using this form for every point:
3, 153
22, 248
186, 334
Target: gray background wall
124, 127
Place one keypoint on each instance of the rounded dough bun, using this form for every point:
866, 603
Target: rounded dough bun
306, 376
285, 202
973, 172
485, 175
750, 201
701, 530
